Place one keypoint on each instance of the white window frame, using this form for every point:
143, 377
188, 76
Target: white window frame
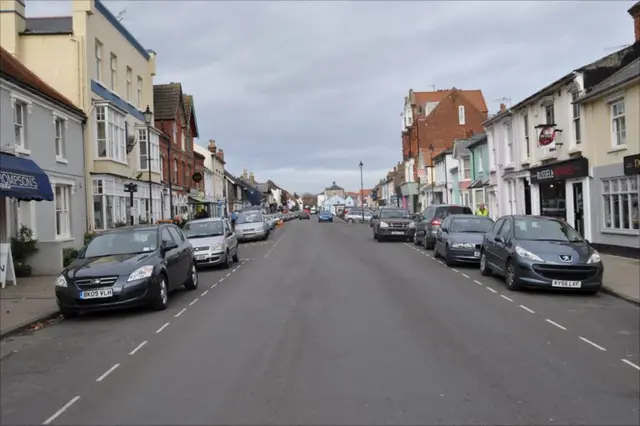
480, 166
64, 209
575, 119
60, 125
113, 75
139, 92
183, 138
477, 199
527, 138
32, 216
19, 125
466, 168
114, 132
618, 123
98, 58
614, 191
461, 115
129, 73
175, 171
154, 145
508, 137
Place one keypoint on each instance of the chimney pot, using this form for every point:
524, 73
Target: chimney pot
503, 107
212, 146
635, 14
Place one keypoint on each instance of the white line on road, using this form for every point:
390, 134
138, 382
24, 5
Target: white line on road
235, 269
440, 262
133, 352
626, 361
193, 301
527, 309
106, 373
214, 285
477, 282
221, 279
584, 339
180, 313
64, 408
466, 276
204, 293
556, 324
491, 290
268, 253
454, 270
162, 328
229, 274
506, 298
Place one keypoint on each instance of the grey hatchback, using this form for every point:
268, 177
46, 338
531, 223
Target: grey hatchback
430, 221
544, 252
460, 237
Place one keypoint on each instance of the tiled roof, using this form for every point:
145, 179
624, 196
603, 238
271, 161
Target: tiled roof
627, 73
49, 25
15, 71
474, 96
190, 112
166, 98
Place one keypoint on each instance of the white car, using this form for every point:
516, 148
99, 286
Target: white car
214, 241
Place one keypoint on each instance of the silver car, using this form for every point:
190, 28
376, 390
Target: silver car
355, 215
213, 241
251, 226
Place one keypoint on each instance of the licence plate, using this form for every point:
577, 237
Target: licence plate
397, 233
566, 284
476, 254
202, 257
96, 294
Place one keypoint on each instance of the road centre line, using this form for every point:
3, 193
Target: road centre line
626, 361
595, 345
491, 290
235, 269
506, 298
137, 348
204, 293
180, 313
466, 276
454, 270
214, 285
162, 328
477, 282
228, 274
556, 324
193, 301
106, 373
527, 309
64, 408
268, 253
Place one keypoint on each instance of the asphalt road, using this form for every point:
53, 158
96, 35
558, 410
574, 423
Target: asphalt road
322, 325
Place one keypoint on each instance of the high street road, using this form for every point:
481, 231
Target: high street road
323, 325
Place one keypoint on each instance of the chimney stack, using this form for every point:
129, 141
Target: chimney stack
221, 154
635, 14
12, 22
503, 107
212, 146
252, 179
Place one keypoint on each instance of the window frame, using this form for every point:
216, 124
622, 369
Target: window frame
461, 115
614, 194
575, 118
98, 59
63, 209
466, 168
21, 141
128, 76
527, 138
615, 121
60, 124
115, 133
113, 72
139, 92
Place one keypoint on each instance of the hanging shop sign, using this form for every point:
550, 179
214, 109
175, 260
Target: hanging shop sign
570, 169
197, 177
631, 164
547, 135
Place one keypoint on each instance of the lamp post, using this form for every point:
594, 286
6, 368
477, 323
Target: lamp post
361, 191
433, 179
148, 115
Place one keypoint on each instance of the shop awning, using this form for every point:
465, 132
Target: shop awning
197, 200
23, 179
475, 184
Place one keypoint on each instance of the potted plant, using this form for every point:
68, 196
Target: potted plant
23, 246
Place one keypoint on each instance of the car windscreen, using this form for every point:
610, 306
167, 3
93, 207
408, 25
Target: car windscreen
125, 242
443, 212
249, 217
540, 229
475, 224
209, 228
394, 214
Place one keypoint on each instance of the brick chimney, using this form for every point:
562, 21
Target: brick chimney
221, 154
503, 107
12, 22
212, 146
245, 176
252, 179
635, 14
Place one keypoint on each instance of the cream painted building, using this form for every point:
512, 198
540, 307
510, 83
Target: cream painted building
92, 59
612, 144
214, 161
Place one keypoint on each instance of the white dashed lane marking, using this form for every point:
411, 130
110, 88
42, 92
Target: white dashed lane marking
466, 276
626, 361
491, 290
180, 313
454, 270
106, 373
162, 328
64, 408
506, 298
527, 309
193, 301
133, 352
595, 345
477, 282
204, 293
556, 324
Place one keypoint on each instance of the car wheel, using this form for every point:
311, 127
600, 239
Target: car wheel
484, 268
415, 239
512, 277
192, 281
436, 253
235, 257
447, 257
162, 298
227, 260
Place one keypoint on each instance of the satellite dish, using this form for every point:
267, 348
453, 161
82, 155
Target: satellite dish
131, 142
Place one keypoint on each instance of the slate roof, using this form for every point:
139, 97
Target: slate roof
625, 74
477, 140
15, 71
335, 187
49, 25
166, 98
461, 146
190, 112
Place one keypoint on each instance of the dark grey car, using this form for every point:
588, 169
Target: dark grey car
459, 238
430, 221
392, 223
535, 251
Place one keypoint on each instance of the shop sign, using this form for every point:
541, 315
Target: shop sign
570, 169
631, 164
547, 135
10, 180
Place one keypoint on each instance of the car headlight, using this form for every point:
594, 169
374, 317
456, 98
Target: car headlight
384, 225
61, 281
216, 247
462, 245
141, 273
595, 258
412, 224
527, 254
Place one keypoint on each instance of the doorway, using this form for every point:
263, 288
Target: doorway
527, 197
578, 207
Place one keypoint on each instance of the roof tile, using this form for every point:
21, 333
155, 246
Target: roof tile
165, 100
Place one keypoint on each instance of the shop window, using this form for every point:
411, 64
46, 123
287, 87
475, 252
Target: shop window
553, 200
620, 203
27, 216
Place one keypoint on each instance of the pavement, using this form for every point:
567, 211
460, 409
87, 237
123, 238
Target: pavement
32, 300
324, 326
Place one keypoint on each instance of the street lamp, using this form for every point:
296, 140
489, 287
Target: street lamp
433, 179
361, 191
148, 116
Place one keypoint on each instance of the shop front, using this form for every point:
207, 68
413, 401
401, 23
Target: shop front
561, 190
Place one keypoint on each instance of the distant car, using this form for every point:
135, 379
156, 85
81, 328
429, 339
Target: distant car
125, 267
304, 216
356, 215
325, 216
251, 226
392, 223
213, 241
543, 252
431, 219
459, 238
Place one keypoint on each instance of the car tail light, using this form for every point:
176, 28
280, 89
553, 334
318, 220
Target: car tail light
436, 222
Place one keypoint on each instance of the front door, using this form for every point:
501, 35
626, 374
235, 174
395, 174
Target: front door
527, 197
578, 208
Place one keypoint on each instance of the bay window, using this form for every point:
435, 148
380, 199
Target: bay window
620, 203
110, 134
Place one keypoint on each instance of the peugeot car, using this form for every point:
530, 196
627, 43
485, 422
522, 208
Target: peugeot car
129, 266
460, 237
213, 241
543, 252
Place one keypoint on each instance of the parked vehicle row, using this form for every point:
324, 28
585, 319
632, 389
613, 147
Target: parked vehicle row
358, 214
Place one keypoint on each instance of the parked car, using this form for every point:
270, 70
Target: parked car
213, 241
535, 251
356, 215
459, 238
393, 223
125, 267
251, 226
304, 216
431, 219
325, 216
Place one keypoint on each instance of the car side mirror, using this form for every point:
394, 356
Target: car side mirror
168, 246
498, 239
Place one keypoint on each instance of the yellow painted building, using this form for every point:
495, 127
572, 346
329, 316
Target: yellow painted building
612, 143
92, 59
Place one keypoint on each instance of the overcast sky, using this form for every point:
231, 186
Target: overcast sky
301, 92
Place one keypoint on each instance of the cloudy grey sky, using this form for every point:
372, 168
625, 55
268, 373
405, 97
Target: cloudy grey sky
301, 92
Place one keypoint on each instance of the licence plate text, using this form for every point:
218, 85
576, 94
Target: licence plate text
201, 257
397, 233
566, 284
96, 294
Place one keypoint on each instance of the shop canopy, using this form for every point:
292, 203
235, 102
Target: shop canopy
197, 200
23, 179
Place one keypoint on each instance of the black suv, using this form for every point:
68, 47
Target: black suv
430, 221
